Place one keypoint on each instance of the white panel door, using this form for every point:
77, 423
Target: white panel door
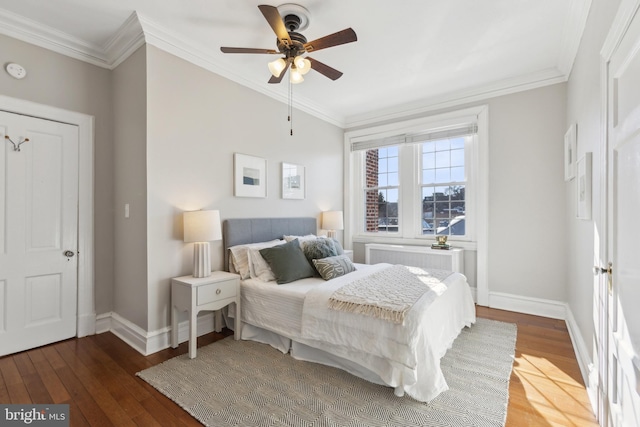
623, 240
38, 232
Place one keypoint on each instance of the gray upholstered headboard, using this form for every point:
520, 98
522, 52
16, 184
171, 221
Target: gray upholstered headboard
240, 231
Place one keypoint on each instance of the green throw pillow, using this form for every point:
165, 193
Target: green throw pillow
335, 266
287, 262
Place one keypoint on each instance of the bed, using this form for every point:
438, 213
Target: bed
294, 317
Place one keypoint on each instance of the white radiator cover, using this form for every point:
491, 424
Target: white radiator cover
415, 256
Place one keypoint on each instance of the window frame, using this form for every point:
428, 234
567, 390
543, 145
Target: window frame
353, 197
410, 185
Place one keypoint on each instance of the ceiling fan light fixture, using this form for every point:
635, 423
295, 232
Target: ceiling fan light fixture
277, 66
303, 65
295, 76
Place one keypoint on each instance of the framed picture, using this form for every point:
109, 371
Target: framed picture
570, 152
583, 190
293, 182
250, 176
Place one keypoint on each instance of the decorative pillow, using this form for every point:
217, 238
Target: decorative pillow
339, 248
335, 266
258, 267
288, 262
240, 256
301, 239
319, 248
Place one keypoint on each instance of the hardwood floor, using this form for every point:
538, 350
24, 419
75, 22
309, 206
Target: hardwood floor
96, 376
546, 387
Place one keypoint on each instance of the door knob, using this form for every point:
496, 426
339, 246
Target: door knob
69, 254
601, 270
608, 271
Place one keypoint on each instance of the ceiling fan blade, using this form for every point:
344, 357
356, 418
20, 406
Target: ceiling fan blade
246, 50
278, 79
324, 69
274, 19
335, 39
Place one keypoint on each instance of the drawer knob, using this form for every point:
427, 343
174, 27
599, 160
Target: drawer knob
218, 291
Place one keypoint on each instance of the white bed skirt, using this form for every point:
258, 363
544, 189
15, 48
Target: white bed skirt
304, 352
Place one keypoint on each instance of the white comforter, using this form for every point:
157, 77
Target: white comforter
412, 350
293, 317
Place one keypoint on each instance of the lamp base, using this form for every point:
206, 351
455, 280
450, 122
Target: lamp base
201, 259
332, 234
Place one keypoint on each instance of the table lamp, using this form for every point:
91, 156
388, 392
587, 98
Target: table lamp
332, 221
201, 227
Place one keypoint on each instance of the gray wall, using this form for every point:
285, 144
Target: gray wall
196, 121
130, 179
62, 82
527, 249
527, 205
585, 109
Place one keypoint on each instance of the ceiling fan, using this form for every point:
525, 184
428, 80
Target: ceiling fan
293, 45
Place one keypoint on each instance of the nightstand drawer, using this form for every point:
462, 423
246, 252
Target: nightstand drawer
216, 292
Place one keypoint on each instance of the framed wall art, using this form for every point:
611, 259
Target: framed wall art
570, 152
293, 181
583, 190
250, 176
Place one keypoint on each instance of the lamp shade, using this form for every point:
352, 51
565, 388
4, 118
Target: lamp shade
303, 65
277, 66
295, 76
202, 226
332, 220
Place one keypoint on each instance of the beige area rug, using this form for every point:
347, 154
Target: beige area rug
243, 383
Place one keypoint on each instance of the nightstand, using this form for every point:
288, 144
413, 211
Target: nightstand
349, 253
195, 294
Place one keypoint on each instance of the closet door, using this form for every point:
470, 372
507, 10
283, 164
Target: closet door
38, 232
623, 233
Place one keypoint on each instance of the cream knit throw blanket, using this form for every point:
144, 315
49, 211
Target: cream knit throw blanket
388, 294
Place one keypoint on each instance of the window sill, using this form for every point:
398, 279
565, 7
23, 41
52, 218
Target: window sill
397, 240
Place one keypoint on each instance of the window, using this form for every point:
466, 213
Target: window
414, 180
381, 189
443, 186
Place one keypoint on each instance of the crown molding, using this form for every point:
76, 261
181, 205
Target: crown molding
481, 93
572, 34
137, 30
125, 41
35, 33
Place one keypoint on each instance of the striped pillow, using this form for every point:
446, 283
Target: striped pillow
334, 266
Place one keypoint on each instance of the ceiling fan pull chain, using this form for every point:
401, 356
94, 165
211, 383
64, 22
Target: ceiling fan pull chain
290, 118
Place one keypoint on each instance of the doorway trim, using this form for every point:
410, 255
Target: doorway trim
86, 313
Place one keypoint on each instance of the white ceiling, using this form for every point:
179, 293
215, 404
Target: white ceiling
411, 55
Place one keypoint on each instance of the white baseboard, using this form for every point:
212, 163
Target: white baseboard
130, 333
147, 343
103, 323
587, 368
528, 305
